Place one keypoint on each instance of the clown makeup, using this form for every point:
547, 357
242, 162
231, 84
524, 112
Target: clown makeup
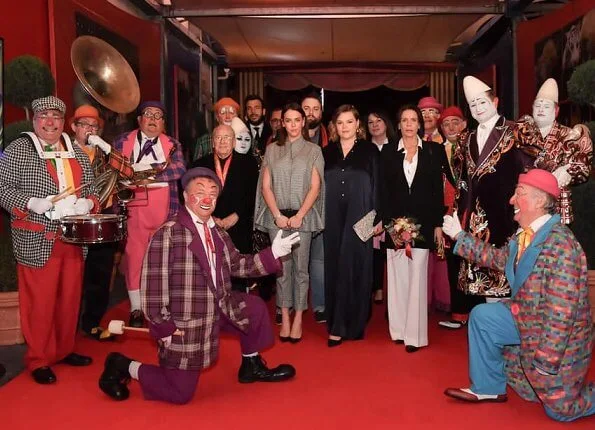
243, 142
482, 108
201, 197
544, 112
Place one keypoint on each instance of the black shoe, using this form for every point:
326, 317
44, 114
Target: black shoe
254, 369
294, 339
2, 371
334, 342
284, 338
44, 375
411, 348
77, 360
137, 319
319, 317
100, 334
399, 341
115, 376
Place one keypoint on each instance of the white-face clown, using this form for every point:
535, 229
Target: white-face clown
544, 112
482, 108
243, 142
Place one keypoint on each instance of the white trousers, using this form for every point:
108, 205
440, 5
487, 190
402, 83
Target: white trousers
407, 297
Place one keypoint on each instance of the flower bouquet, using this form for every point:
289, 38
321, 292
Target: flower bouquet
404, 232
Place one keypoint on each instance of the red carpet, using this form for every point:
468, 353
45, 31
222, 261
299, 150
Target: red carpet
368, 384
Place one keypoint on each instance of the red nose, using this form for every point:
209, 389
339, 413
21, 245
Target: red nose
207, 201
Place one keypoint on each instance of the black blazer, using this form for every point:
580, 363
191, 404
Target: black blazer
238, 195
424, 201
261, 142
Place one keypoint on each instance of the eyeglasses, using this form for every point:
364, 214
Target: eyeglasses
430, 111
275, 120
224, 138
87, 126
153, 115
46, 116
227, 109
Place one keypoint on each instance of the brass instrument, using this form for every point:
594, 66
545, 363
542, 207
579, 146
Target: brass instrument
107, 77
105, 74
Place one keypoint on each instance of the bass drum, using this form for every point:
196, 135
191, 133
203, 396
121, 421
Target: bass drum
96, 228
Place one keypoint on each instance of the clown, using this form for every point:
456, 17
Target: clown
566, 152
243, 138
490, 166
540, 341
201, 257
431, 110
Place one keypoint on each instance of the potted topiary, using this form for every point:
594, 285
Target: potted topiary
581, 90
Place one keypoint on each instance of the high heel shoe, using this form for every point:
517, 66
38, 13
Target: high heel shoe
284, 338
295, 339
334, 342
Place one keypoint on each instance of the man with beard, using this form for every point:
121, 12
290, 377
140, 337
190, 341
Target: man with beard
490, 166
564, 151
312, 107
254, 114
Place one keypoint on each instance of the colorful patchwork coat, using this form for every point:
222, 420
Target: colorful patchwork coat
177, 290
550, 307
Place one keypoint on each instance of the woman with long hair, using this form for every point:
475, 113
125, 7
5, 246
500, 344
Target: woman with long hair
292, 199
382, 134
351, 176
412, 188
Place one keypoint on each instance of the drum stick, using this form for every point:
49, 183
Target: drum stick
67, 192
118, 327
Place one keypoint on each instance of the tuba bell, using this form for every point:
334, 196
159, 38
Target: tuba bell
105, 74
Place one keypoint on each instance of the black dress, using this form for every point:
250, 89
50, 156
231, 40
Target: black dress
351, 192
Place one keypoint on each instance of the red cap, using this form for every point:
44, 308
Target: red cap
430, 102
542, 180
451, 111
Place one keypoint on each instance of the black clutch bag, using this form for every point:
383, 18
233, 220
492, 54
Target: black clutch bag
260, 240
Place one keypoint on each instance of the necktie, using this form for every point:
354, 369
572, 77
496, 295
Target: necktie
147, 149
209, 240
525, 238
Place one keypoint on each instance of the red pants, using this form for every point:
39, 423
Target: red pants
49, 300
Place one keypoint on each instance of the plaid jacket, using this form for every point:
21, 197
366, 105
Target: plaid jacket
550, 307
23, 174
174, 170
177, 290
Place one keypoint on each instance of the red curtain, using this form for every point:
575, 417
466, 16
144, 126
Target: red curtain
348, 80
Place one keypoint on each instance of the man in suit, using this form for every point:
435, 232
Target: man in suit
255, 117
490, 165
149, 149
238, 174
186, 286
540, 341
36, 167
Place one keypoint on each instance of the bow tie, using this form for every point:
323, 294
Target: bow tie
147, 149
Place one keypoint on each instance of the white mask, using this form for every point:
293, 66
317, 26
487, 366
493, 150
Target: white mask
482, 108
544, 112
243, 142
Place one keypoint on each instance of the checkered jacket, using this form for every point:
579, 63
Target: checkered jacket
23, 174
177, 290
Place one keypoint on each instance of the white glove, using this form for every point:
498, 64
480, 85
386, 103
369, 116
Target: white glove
39, 206
83, 206
62, 207
451, 225
562, 175
97, 141
165, 341
281, 246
